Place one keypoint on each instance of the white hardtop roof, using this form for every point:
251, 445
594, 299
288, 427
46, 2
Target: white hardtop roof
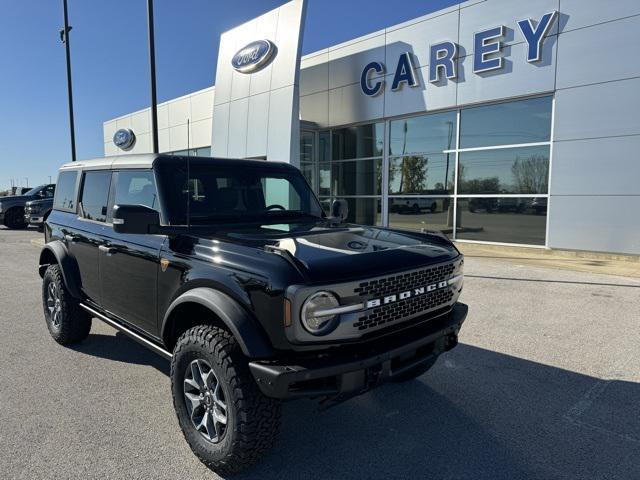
142, 160
145, 160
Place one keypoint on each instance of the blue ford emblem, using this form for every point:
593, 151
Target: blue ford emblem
254, 56
124, 138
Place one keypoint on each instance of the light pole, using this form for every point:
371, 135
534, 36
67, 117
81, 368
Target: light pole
152, 73
64, 37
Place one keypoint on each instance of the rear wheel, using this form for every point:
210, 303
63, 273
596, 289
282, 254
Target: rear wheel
15, 218
66, 321
414, 372
227, 421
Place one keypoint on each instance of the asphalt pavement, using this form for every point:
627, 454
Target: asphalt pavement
545, 384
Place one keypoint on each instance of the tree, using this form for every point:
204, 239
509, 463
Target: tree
530, 174
413, 174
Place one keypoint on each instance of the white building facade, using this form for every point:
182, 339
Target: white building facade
501, 121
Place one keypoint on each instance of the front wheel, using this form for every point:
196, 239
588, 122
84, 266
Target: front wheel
227, 421
66, 321
14, 219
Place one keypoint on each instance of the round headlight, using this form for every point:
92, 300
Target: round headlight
312, 313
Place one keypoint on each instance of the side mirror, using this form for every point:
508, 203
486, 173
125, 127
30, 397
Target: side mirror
136, 219
340, 209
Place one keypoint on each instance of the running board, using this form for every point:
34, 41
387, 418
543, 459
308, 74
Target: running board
128, 332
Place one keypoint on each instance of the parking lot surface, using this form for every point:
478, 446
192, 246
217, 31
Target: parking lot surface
544, 384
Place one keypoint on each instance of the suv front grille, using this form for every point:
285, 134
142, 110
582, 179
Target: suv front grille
404, 281
407, 308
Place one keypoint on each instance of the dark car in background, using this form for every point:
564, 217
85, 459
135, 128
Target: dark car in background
12, 209
37, 211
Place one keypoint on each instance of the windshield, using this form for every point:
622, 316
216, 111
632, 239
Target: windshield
33, 191
204, 193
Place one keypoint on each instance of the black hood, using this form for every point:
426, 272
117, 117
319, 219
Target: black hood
329, 254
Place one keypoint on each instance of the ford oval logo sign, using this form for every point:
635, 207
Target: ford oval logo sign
124, 138
254, 56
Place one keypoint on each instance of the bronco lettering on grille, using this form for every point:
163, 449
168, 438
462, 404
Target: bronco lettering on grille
376, 302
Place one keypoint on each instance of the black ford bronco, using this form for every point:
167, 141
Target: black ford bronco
230, 269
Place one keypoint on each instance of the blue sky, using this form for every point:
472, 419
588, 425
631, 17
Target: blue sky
110, 70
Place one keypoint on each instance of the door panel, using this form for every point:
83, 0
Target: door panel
129, 270
129, 263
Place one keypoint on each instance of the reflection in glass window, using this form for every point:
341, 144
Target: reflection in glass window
426, 134
306, 146
505, 219
136, 188
360, 177
325, 179
203, 152
95, 195
524, 121
427, 174
65, 196
416, 213
324, 146
362, 211
509, 170
361, 141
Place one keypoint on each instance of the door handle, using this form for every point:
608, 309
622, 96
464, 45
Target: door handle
108, 250
71, 238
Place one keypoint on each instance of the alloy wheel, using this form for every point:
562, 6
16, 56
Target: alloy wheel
205, 401
54, 305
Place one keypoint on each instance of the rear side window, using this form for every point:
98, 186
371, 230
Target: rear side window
65, 198
136, 187
95, 195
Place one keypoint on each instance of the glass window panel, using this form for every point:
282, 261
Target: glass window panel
360, 177
425, 134
362, 211
95, 195
136, 188
506, 219
324, 146
309, 171
325, 179
65, 196
362, 141
508, 170
306, 146
524, 121
416, 213
432, 174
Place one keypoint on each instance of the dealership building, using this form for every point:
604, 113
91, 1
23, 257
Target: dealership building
499, 121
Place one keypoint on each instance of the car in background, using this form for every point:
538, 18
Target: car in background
415, 205
12, 209
37, 211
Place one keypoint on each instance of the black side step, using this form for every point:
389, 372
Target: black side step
128, 332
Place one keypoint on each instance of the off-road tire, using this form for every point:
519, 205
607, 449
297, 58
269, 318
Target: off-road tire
73, 324
253, 420
14, 219
414, 372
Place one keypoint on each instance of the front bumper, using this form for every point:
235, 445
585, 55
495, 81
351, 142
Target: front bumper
33, 219
347, 373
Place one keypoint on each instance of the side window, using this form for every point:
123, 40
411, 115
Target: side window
136, 188
95, 195
49, 191
65, 198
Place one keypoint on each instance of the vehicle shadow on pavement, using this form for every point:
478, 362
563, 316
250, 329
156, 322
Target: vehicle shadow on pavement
477, 414
121, 348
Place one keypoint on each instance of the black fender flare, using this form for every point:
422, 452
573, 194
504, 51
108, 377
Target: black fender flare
243, 326
68, 265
